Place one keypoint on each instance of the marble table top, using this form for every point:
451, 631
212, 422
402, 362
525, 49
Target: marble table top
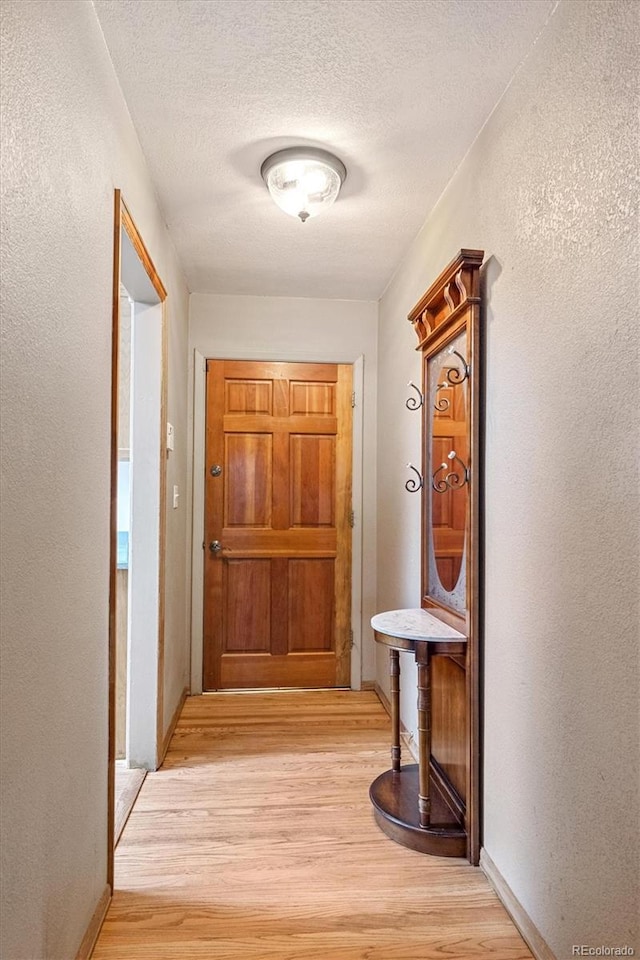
414, 624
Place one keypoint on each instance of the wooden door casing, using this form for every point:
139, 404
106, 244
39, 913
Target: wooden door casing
278, 593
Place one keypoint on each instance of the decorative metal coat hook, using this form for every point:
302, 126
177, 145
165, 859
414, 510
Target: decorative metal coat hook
413, 485
454, 375
442, 403
414, 403
452, 480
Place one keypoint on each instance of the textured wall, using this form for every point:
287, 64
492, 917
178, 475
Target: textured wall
547, 190
282, 328
67, 142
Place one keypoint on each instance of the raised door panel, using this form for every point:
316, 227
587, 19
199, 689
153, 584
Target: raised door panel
249, 396
247, 480
311, 605
312, 480
247, 614
312, 399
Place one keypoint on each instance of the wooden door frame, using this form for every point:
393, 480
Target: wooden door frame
123, 220
198, 512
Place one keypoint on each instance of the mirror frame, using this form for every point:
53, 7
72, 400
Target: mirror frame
451, 306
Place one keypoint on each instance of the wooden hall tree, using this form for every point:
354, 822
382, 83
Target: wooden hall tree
434, 806
447, 321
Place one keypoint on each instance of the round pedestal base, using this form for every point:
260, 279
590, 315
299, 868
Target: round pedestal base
395, 802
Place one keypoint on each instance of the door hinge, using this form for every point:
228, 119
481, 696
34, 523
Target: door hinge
351, 640
352, 518
203, 544
353, 399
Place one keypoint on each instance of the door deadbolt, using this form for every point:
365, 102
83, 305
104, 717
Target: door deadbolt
215, 546
216, 470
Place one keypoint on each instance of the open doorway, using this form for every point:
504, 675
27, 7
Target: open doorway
137, 521
128, 778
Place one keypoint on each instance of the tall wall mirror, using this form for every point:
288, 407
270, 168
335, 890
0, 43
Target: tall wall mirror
447, 323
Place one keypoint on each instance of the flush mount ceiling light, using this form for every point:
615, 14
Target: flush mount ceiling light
303, 181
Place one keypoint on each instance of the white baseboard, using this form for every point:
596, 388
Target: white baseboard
526, 927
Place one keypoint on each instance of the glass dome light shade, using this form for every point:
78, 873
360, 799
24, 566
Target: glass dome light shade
303, 181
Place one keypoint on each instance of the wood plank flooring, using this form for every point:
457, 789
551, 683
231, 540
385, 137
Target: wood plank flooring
256, 840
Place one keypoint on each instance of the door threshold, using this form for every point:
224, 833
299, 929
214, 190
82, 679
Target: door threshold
216, 693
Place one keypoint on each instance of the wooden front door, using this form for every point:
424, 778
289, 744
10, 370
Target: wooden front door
277, 609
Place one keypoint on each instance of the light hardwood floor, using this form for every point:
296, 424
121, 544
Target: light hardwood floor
256, 840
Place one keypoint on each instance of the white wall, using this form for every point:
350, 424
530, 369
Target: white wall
143, 605
546, 192
177, 612
67, 143
280, 328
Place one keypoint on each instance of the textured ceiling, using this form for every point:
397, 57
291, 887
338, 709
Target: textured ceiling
398, 89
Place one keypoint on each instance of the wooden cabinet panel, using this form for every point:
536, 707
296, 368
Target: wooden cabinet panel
247, 612
449, 720
247, 467
311, 605
312, 481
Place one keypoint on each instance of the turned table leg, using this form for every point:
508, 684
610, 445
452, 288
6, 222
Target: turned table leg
394, 670
424, 741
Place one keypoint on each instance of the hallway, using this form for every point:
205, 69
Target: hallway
256, 841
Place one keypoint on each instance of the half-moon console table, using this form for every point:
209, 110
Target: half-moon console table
413, 804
